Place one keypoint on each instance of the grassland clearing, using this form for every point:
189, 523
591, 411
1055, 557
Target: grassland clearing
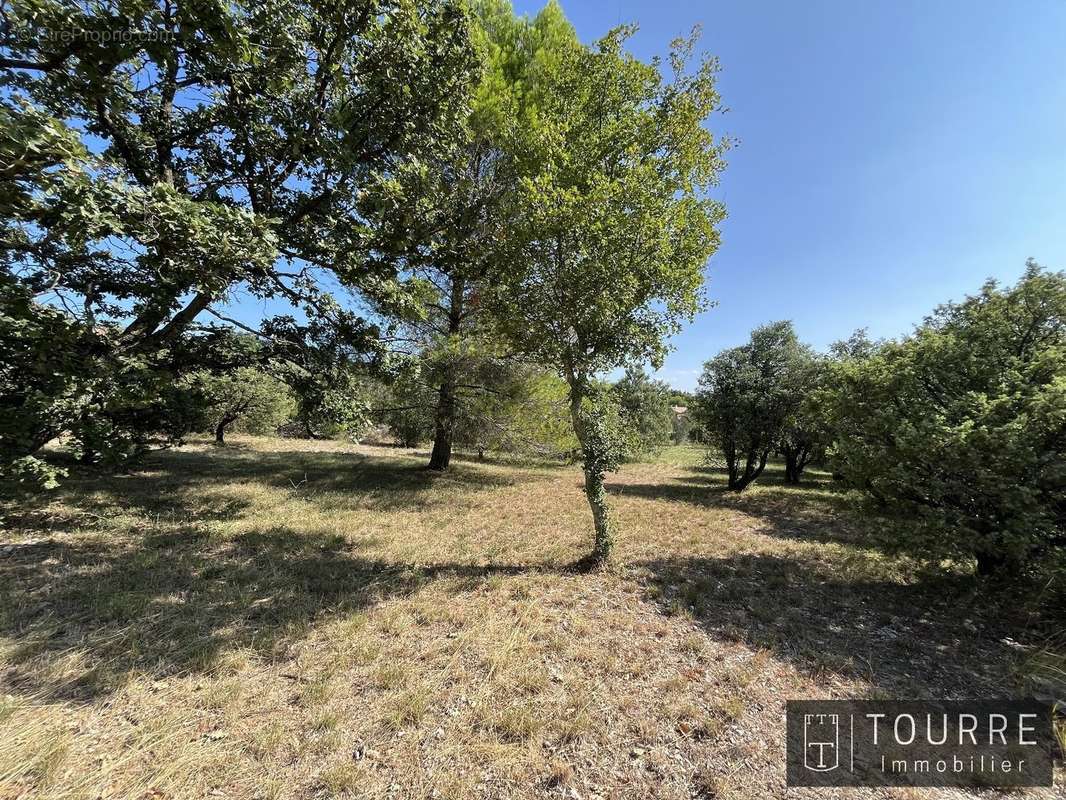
284, 619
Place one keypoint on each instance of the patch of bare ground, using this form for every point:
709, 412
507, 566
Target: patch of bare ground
281, 619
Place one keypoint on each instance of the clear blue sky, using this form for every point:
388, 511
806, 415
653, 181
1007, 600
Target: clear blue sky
893, 155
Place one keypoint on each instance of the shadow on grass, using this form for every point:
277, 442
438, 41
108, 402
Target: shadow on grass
937, 635
185, 483
90, 595
815, 510
87, 616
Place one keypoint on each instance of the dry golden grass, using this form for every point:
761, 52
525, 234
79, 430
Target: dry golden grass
281, 619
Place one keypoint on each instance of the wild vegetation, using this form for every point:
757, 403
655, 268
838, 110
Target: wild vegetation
301, 618
342, 549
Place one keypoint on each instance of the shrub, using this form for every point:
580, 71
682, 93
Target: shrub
644, 405
964, 424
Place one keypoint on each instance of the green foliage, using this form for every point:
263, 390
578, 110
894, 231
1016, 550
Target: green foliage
963, 424
506, 407
144, 178
682, 423
612, 225
61, 377
608, 435
681, 427
605, 443
248, 399
326, 367
442, 220
805, 434
680, 398
517, 409
644, 405
40, 381
748, 395
408, 408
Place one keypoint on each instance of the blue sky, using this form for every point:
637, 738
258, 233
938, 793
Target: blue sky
892, 155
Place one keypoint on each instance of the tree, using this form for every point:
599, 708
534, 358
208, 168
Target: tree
164, 154
442, 219
963, 425
805, 434
747, 395
520, 409
612, 229
645, 409
407, 407
255, 400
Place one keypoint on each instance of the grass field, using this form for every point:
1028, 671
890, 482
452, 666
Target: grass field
282, 619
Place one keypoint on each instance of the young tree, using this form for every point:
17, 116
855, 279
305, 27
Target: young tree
747, 395
612, 228
963, 425
250, 397
158, 158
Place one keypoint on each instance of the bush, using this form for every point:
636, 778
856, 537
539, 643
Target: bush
645, 411
964, 425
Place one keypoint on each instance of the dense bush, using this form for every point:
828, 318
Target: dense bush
644, 405
963, 424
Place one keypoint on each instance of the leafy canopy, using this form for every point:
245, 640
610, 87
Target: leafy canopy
612, 225
748, 394
964, 424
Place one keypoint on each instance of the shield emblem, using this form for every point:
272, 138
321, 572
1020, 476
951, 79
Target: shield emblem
821, 742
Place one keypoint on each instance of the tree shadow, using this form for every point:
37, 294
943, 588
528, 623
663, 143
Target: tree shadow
939, 636
499, 459
87, 616
185, 483
815, 510
112, 575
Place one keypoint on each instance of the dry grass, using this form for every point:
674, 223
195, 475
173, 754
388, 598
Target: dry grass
279, 619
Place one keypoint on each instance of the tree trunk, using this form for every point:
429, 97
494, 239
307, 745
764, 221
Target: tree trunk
444, 424
754, 464
441, 456
796, 459
792, 467
220, 430
992, 564
595, 491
